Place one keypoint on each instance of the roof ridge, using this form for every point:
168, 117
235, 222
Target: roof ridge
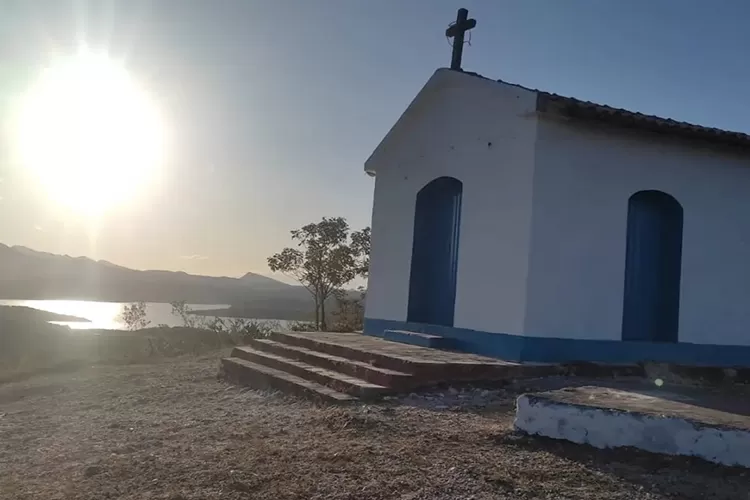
571, 107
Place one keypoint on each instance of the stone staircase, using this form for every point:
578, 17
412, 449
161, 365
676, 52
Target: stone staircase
350, 367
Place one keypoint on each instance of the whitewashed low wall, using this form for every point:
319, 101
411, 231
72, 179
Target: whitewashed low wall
608, 428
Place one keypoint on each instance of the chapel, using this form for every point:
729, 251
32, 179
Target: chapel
528, 226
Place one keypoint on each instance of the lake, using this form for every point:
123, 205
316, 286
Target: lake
106, 315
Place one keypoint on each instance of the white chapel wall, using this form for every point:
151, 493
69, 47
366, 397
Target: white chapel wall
583, 179
482, 133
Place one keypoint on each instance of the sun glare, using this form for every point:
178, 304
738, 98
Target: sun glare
89, 133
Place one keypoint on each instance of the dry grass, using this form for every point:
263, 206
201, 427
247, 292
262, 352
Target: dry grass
171, 430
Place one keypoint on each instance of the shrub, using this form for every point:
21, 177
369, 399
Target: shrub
240, 330
350, 315
134, 316
302, 326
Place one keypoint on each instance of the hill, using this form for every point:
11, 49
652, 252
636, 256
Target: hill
30, 274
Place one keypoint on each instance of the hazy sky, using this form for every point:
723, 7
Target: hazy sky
273, 106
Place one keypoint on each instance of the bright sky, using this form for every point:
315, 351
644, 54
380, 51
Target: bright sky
273, 106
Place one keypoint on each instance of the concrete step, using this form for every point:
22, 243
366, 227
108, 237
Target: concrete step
707, 422
335, 380
393, 379
257, 376
415, 338
427, 366
375, 359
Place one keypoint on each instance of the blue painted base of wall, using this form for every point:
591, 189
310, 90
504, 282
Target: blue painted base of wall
557, 350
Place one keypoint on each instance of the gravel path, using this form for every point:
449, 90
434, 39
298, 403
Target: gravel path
171, 430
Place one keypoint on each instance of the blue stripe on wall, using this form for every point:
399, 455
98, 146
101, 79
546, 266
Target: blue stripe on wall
557, 350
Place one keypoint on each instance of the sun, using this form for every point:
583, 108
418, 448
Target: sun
89, 133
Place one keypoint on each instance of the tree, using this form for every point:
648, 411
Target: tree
134, 316
324, 261
361, 247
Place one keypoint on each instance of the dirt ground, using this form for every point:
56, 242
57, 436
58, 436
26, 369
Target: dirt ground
171, 430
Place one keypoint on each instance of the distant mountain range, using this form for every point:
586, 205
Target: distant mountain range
29, 274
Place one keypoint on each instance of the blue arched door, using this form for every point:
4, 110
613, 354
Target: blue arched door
434, 258
653, 266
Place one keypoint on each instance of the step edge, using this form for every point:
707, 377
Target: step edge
415, 334
336, 376
307, 384
416, 362
333, 357
404, 359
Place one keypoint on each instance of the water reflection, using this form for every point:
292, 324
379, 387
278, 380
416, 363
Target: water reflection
105, 315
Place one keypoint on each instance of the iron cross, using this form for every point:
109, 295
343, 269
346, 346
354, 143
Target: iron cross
457, 31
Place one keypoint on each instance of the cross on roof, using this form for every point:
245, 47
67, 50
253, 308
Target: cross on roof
457, 31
